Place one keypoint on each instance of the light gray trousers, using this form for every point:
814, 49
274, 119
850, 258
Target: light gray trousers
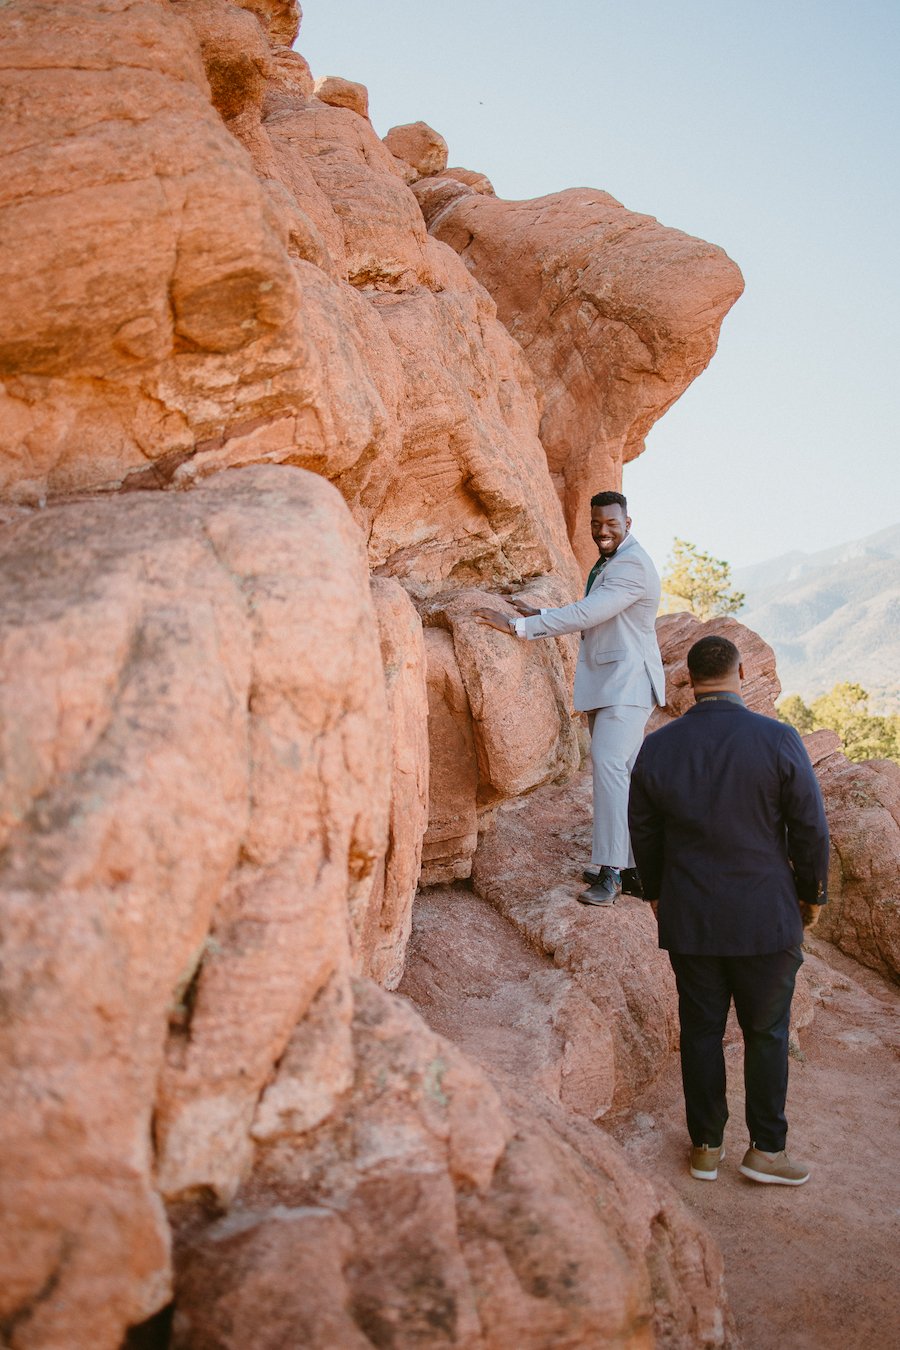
616, 735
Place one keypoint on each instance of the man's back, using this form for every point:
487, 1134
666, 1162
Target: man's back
725, 811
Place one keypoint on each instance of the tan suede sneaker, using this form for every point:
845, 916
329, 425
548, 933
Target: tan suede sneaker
705, 1162
773, 1168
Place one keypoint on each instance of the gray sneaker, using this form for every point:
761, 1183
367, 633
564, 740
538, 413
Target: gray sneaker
604, 890
773, 1168
705, 1162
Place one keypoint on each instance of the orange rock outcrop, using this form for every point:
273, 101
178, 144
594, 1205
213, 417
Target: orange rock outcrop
616, 314
863, 806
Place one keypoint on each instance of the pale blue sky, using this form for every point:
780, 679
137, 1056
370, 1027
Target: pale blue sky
768, 128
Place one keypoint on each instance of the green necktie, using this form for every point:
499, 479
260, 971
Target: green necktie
594, 573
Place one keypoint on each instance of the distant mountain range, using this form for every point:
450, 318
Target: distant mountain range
831, 616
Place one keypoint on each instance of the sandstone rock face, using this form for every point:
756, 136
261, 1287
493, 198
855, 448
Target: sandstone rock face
478, 980
500, 724
472, 178
220, 730
862, 802
528, 865
280, 19
404, 660
677, 633
212, 344
615, 313
492, 1225
342, 93
424, 413
192, 806
236, 54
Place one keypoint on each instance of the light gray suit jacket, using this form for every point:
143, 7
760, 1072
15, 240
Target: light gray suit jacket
619, 660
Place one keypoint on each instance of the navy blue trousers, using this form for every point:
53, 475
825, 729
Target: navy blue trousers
762, 988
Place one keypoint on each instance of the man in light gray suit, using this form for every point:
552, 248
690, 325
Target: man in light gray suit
618, 679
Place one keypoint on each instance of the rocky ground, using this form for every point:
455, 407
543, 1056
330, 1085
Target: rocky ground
812, 1267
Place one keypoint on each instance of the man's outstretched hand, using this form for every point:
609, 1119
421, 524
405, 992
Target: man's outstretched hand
495, 618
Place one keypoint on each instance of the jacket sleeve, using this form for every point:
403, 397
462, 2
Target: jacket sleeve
804, 817
620, 588
646, 826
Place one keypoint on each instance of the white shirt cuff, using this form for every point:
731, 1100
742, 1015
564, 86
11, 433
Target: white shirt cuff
520, 626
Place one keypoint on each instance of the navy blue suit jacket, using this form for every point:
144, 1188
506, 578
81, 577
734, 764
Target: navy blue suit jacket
728, 830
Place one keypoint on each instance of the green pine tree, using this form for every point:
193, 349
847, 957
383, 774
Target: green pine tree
845, 709
697, 582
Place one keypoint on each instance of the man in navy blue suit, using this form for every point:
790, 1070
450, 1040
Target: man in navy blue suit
730, 840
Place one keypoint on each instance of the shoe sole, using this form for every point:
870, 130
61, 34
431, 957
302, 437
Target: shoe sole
708, 1176
768, 1180
591, 877
599, 904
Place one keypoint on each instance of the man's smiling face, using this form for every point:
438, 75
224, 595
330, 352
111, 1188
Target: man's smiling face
609, 526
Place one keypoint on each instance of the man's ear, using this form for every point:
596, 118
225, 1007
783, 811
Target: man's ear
741, 675
628, 522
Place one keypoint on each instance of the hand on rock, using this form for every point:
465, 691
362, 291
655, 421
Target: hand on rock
495, 618
522, 606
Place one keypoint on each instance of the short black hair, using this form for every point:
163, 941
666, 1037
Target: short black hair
712, 658
610, 499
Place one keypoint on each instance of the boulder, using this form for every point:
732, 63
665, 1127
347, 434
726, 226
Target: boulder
479, 182
453, 767
439, 1212
472, 503
345, 178
677, 633
154, 306
419, 146
528, 865
477, 979
505, 725
340, 93
195, 795
291, 72
862, 802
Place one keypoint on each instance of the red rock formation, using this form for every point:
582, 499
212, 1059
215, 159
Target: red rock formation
389, 910
677, 633
341, 93
439, 1212
528, 866
192, 808
214, 740
420, 147
479, 181
862, 802
616, 314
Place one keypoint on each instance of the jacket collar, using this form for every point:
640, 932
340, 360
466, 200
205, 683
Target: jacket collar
720, 702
